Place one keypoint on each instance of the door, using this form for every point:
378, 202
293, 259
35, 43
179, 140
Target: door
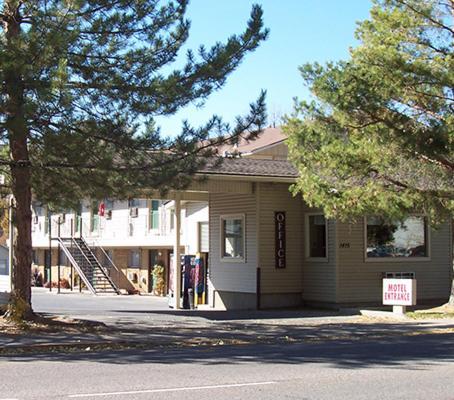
153, 256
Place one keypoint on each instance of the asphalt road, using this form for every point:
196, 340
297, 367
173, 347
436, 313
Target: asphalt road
414, 367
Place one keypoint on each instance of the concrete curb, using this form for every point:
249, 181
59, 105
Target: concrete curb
114, 345
384, 314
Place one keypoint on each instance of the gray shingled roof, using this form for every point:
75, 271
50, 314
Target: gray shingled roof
251, 167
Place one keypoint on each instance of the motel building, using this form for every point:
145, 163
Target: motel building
252, 244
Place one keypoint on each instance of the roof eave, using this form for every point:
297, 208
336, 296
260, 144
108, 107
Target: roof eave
250, 178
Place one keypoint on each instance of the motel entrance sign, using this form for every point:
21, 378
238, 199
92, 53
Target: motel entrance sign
399, 293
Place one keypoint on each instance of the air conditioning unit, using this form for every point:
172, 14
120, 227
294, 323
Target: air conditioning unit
134, 212
108, 214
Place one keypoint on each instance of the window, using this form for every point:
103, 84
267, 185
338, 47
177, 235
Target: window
316, 234
154, 214
396, 239
35, 258
46, 221
109, 204
204, 237
94, 217
4, 270
78, 217
132, 203
107, 258
233, 238
63, 258
172, 219
134, 259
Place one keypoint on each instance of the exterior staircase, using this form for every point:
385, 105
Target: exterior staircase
92, 272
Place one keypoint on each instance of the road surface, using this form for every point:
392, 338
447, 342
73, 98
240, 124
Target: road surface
419, 367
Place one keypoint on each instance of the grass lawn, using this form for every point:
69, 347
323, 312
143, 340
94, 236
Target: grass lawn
444, 311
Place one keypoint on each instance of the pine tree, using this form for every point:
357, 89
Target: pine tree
378, 137
81, 84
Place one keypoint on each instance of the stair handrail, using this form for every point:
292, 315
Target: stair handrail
94, 242
101, 267
76, 264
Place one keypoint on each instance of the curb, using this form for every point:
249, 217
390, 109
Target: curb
115, 345
72, 347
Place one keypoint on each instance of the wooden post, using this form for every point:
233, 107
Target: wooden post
49, 218
58, 256
11, 242
176, 253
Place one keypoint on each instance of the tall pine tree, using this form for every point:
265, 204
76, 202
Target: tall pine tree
378, 137
80, 84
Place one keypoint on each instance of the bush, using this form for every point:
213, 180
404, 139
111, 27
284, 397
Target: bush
158, 280
64, 284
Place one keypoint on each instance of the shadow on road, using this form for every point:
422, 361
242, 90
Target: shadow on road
341, 345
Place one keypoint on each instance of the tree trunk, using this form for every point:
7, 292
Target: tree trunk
20, 305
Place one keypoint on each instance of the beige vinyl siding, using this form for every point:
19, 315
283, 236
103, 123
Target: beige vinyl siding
277, 152
320, 277
230, 275
214, 185
361, 280
276, 197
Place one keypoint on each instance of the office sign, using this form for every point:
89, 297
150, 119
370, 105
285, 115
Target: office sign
279, 223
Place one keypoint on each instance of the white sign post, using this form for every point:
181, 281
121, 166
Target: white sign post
399, 293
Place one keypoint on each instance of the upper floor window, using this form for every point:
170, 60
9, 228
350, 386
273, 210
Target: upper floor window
172, 219
133, 203
232, 237
397, 239
94, 216
316, 236
154, 214
109, 204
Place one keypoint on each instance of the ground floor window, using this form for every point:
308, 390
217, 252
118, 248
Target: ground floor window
63, 259
107, 258
35, 258
316, 234
396, 239
4, 270
134, 259
232, 237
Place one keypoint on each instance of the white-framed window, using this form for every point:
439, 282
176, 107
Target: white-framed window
35, 257
233, 238
94, 216
172, 219
109, 204
132, 203
134, 259
107, 258
316, 237
399, 240
204, 237
154, 214
63, 259
4, 269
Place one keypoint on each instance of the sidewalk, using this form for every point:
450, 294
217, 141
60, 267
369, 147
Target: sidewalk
129, 322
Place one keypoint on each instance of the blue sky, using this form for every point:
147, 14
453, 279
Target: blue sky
300, 31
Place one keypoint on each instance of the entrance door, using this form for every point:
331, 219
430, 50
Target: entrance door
153, 256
